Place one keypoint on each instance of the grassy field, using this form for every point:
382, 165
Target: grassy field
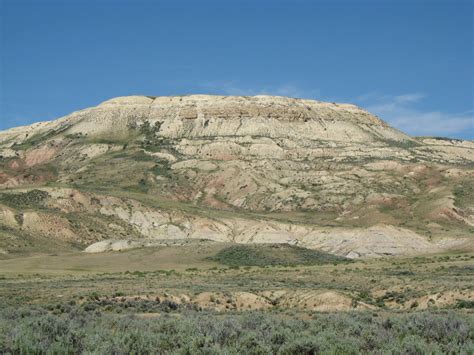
207, 298
212, 298
203, 266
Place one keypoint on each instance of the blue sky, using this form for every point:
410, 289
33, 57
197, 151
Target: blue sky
409, 62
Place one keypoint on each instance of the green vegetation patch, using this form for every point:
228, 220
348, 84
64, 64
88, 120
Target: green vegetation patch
403, 144
274, 255
141, 156
464, 304
464, 194
70, 329
442, 138
33, 198
39, 138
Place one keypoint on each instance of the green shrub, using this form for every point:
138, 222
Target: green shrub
35, 330
464, 304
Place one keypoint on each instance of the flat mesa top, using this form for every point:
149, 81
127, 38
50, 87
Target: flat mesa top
197, 115
264, 100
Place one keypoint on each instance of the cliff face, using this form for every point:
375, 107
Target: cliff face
248, 169
216, 116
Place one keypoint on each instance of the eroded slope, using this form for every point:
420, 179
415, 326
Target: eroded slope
246, 169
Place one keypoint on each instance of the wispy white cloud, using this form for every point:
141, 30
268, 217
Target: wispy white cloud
290, 90
401, 112
415, 97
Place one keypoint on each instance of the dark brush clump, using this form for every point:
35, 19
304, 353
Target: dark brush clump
274, 255
33, 198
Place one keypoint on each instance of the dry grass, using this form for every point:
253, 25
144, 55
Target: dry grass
436, 281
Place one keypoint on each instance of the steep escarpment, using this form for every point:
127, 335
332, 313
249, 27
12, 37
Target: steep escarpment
247, 169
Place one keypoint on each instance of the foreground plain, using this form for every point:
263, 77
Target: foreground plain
185, 299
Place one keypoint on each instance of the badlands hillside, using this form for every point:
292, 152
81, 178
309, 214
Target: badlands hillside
139, 170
